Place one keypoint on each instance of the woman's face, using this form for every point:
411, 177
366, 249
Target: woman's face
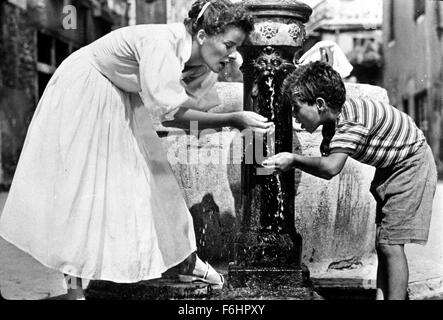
218, 50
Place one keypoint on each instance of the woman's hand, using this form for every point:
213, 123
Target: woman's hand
280, 162
250, 120
241, 120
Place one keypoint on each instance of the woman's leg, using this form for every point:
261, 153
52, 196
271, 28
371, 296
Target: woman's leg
74, 288
194, 266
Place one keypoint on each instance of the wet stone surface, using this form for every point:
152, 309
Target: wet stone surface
299, 293
241, 284
170, 289
158, 289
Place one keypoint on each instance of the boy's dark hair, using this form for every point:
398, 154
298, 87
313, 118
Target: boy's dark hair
218, 16
315, 80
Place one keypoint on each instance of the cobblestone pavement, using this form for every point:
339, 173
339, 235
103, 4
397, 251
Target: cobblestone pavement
22, 277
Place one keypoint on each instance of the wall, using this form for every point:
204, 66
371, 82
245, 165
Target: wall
151, 12
17, 91
414, 64
178, 10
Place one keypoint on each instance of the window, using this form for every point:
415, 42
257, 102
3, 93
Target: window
50, 54
82, 24
391, 29
363, 42
421, 107
61, 51
43, 79
406, 105
439, 11
358, 42
45, 61
419, 8
101, 27
44, 52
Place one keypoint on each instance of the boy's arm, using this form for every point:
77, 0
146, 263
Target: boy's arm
322, 167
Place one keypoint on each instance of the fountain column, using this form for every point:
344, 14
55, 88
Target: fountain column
268, 247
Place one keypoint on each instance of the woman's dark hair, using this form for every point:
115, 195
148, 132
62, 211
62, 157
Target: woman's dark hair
315, 80
218, 16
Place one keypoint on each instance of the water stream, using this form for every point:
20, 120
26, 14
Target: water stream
270, 150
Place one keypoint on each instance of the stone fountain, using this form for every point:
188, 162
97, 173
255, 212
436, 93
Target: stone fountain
268, 249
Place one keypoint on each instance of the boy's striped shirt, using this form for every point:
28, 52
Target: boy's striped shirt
375, 133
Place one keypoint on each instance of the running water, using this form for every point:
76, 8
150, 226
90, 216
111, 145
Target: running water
270, 150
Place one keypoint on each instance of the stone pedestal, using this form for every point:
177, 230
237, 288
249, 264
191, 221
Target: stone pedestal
268, 249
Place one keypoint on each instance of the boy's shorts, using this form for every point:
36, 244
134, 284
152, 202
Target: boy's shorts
404, 194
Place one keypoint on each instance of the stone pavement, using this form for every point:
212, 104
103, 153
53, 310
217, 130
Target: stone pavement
22, 277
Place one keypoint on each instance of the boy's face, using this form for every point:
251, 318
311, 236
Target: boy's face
308, 115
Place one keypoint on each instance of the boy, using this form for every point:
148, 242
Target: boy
376, 134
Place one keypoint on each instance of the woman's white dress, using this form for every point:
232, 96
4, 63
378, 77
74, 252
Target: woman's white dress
93, 194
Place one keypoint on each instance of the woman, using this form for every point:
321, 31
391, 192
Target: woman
93, 195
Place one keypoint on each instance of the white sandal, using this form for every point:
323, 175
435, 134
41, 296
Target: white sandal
194, 278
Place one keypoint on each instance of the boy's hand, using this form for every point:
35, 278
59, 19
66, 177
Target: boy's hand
280, 162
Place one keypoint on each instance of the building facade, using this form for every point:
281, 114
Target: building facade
162, 11
413, 72
35, 37
356, 26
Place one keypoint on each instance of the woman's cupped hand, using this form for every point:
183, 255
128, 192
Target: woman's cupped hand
249, 120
